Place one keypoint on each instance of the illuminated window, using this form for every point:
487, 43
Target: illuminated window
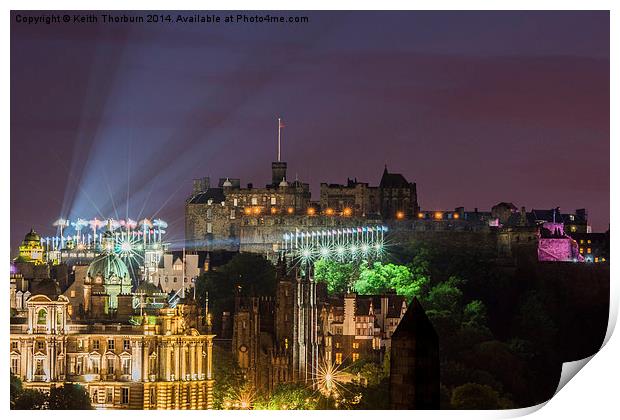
337, 345
95, 363
273, 201
581, 250
73, 293
589, 250
438, 215
573, 228
254, 201
589, 241
595, 259
126, 366
603, 259
581, 241
356, 345
209, 228
235, 202
339, 358
355, 357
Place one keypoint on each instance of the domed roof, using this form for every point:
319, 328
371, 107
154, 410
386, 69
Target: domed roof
283, 183
227, 183
32, 236
107, 265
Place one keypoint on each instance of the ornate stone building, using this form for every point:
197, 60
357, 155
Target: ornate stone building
275, 339
155, 362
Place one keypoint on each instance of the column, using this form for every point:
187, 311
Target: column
209, 358
177, 371
192, 360
183, 358
145, 360
199, 349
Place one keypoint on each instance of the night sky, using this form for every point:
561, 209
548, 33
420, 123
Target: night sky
476, 107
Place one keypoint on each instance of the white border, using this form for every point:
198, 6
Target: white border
593, 394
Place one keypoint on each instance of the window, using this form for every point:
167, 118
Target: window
339, 358
337, 345
254, 201
40, 345
232, 214
209, 228
153, 396
110, 366
355, 357
39, 367
15, 366
42, 317
95, 363
273, 201
127, 366
235, 202
581, 250
126, 344
73, 293
124, 395
209, 213
589, 241
589, 250
13, 345
109, 395
78, 366
111, 344
96, 345
356, 345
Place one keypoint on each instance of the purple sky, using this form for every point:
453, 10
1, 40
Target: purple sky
476, 107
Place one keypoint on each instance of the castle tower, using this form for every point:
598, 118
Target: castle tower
305, 318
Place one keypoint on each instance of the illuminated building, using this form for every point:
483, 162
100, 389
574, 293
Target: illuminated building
357, 327
31, 250
154, 362
139, 244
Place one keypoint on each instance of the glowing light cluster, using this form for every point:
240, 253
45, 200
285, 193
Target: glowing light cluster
338, 244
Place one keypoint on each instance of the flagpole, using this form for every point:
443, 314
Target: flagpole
279, 130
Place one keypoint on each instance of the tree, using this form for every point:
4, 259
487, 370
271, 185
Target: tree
382, 278
246, 274
290, 397
472, 396
229, 378
338, 276
69, 397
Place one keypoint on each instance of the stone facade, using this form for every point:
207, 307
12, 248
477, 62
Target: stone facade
160, 362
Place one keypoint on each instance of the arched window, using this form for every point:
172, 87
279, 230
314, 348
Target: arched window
42, 317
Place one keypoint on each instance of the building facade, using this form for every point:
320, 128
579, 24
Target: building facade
158, 363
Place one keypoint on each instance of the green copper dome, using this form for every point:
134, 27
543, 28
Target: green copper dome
32, 236
108, 266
